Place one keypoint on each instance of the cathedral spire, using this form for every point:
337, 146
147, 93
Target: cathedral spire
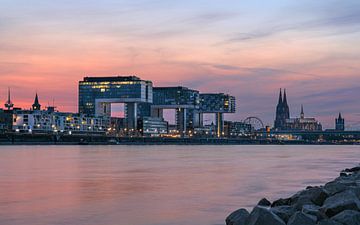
285, 99
8, 104
280, 98
36, 105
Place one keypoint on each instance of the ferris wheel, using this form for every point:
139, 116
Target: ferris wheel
255, 122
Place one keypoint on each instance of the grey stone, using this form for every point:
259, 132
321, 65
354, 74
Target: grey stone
334, 187
264, 202
351, 170
300, 218
348, 217
281, 202
262, 216
284, 212
315, 195
340, 202
237, 217
313, 210
328, 222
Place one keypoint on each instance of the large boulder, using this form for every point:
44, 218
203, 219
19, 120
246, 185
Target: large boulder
284, 212
281, 202
299, 218
334, 187
238, 217
313, 195
346, 200
328, 222
264, 202
263, 216
348, 217
313, 210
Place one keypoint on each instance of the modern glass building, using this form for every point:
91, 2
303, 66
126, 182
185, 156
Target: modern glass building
219, 104
97, 93
182, 99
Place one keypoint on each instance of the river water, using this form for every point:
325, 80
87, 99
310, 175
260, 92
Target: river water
155, 185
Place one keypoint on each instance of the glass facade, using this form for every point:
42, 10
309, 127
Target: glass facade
131, 89
176, 96
214, 103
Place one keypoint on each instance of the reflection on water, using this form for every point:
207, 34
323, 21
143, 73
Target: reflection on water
154, 185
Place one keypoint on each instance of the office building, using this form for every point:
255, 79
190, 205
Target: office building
96, 94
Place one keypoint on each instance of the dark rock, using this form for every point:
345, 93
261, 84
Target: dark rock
264, 202
346, 200
328, 222
238, 217
284, 212
351, 170
334, 187
348, 217
281, 202
313, 210
300, 218
262, 216
317, 195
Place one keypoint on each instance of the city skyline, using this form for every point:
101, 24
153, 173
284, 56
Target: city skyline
226, 46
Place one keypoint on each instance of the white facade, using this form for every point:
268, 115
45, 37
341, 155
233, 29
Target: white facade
49, 121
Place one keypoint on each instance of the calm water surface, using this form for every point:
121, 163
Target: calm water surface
155, 185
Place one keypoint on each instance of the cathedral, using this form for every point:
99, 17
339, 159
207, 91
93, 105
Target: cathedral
284, 122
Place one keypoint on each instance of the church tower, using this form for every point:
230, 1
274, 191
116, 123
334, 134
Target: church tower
282, 112
8, 104
302, 114
36, 105
340, 123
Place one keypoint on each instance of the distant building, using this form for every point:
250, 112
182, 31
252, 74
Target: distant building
46, 121
96, 94
302, 123
5, 120
282, 112
36, 105
284, 122
8, 104
152, 126
340, 123
236, 129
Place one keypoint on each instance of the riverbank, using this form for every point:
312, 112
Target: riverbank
76, 139
335, 203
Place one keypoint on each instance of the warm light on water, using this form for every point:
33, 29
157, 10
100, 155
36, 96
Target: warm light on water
155, 185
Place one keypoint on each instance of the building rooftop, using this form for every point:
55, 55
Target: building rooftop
112, 78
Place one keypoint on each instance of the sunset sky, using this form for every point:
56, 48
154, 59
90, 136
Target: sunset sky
247, 48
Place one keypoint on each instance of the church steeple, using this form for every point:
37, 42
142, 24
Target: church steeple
8, 104
36, 105
285, 99
280, 98
302, 115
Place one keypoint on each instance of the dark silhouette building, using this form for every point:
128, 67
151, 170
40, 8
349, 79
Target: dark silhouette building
284, 122
8, 104
340, 123
282, 112
36, 105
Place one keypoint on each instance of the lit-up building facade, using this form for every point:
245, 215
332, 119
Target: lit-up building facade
182, 99
218, 104
143, 100
50, 121
97, 93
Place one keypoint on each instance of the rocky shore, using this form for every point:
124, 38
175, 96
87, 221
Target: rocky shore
335, 203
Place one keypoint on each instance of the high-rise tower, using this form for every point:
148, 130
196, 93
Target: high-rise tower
8, 104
